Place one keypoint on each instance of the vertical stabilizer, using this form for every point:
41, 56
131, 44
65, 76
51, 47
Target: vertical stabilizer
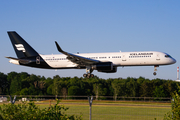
21, 47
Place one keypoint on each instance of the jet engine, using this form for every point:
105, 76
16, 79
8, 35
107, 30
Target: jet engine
107, 71
106, 67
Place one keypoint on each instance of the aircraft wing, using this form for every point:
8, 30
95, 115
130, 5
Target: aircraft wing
76, 58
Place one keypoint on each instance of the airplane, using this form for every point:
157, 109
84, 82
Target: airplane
102, 62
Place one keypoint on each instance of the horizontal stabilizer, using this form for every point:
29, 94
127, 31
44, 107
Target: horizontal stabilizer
23, 61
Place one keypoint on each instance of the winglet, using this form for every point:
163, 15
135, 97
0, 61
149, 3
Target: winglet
59, 48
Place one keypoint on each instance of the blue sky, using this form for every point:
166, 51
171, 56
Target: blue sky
93, 26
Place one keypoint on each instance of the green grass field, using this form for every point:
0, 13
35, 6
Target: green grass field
120, 113
116, 110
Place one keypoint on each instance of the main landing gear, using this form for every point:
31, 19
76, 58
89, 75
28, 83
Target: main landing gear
89, 70
88, 75
155, 69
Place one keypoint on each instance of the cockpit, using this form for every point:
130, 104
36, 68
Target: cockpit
168, 56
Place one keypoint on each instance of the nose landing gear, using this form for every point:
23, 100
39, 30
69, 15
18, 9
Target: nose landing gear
155, 69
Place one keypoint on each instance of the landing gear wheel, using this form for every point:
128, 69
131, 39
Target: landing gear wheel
84, 75
88, 75
92, 75
154, 73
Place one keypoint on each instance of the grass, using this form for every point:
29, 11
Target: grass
114, 110
104, 110
120, 113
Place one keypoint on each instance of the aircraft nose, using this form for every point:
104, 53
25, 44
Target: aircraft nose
173, 60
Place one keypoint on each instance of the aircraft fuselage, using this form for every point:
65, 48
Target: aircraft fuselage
60, 61
102, 62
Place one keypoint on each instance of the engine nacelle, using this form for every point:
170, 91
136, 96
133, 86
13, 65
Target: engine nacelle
107, 71
105, 67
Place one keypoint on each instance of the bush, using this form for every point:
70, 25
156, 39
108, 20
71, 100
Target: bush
174, 114
30, 111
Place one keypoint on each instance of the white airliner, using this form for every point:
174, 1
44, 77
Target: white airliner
102, 62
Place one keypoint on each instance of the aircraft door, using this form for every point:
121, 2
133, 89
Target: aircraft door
124, 58
157, 57
37, 60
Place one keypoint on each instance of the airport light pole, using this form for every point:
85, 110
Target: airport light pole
90, 104
177, 73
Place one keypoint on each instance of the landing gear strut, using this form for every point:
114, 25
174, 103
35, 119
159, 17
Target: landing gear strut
89, 70
155, 69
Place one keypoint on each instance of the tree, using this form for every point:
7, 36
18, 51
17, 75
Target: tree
10, 78
23, 75
56, 90
145, 89
174, 114
32, 90
140, 80
118, 86
73, 90
24, 91
63, 88
109, 87
169, 87
49, 90
16, 85
96, 89
3, 83
159, 92
131, 88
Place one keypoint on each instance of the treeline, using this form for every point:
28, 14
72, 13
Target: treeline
25, 84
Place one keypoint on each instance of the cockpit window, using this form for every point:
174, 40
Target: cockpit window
167, 56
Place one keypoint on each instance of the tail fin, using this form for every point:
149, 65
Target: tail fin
21, 47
